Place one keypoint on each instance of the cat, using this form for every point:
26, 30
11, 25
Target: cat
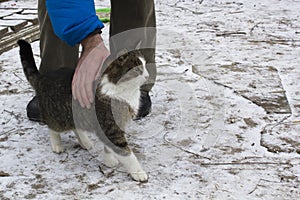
117, 96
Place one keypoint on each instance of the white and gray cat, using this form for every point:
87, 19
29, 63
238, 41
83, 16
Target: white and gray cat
117, 98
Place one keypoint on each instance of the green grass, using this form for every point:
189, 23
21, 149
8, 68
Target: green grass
104, 19
103, 10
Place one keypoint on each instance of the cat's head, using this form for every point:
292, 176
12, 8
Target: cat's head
130, 67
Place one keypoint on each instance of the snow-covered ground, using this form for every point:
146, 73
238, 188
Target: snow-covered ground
225, 120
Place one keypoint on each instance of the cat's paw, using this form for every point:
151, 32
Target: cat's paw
55, 141
109, 160
86, 144
83, 139
57, 148
139, 176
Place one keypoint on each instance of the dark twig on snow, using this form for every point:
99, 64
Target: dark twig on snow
8, 132
277, 41
109, 173
255, 187
66, 158
100, 170
272, 126
244, 163
255, 26
187, 9
230, 33
258, 184
17, 116
182, 149
4, 174
22, 80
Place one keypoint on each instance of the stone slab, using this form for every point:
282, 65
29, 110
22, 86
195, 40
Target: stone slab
15, 25
29, 11
7, 12
259, 84
30, 17
4, 13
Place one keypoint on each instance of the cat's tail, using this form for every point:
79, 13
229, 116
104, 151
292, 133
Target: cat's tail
31, 72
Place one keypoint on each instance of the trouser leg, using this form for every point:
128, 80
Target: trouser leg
54, 52
133, 21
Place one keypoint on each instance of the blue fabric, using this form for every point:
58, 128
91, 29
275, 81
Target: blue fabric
73, 20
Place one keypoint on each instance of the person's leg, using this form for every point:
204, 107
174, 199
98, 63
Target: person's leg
131, 22
54, 54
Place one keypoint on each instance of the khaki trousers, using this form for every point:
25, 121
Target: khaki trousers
125, 16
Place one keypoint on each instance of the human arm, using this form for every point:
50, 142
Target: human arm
73, 20
88, 68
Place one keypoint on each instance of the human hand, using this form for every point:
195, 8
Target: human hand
89, 66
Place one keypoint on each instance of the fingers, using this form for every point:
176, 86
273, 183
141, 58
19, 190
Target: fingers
77, 88
89, 89
82, 89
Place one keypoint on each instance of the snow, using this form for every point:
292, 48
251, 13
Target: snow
207, 136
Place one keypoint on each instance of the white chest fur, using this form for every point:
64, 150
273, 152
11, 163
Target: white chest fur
127, 91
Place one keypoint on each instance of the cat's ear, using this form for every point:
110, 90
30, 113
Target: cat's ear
122, 52
122, 55
138, 46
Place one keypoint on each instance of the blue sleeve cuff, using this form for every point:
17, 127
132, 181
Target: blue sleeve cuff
73, 20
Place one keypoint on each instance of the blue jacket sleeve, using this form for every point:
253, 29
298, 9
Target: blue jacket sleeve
73, 20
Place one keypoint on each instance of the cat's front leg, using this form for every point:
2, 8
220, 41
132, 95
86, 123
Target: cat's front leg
55, 140
109, 159
83, 139
133, 167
